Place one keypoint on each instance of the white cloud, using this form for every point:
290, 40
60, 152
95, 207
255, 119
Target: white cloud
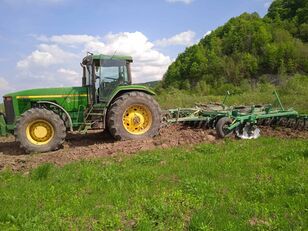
207, 33
71, 75
149, 64
45, 55
182, 1
185, 38
57, 60
94, 47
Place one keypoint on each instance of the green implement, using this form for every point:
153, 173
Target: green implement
241, 120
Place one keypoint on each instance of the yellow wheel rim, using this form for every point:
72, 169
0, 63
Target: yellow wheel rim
137, 119
40, 132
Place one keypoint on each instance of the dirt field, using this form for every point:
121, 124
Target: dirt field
93, 145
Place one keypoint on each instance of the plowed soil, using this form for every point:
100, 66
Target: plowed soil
98, 144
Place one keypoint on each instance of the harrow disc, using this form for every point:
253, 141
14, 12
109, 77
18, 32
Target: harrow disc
296, 123
248, 132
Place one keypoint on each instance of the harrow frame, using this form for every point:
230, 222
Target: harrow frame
253, 115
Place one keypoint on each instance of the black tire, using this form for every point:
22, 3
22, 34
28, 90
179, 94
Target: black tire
221, 127
38, 114
121, 104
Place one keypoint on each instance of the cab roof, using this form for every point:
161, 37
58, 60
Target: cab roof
97, 57
113, 57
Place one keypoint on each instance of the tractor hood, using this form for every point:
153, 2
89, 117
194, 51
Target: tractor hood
43, 93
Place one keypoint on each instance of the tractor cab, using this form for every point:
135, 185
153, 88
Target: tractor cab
102, 74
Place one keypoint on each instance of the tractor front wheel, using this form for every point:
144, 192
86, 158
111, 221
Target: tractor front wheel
134, 115
40, 130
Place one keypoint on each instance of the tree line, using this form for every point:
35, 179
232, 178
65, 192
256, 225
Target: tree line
246, 50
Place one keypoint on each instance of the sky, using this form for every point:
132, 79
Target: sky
42, 42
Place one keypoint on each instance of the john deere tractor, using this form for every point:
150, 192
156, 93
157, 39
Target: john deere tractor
41, 118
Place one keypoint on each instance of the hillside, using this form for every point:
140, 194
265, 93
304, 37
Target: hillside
292, 15
247, 50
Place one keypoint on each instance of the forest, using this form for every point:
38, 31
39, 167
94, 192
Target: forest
248, 50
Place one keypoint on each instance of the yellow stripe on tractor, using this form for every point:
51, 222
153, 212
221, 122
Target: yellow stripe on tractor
49, 96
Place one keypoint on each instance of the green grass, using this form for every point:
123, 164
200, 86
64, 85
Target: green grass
233, 185
1, 107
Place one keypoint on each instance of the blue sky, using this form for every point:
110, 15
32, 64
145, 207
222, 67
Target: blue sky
43, 41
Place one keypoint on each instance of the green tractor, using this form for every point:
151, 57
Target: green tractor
41, 118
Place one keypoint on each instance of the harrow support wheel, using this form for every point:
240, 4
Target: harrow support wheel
221, 127
40, 130
134, 115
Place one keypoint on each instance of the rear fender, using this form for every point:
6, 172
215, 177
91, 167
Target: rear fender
119, 92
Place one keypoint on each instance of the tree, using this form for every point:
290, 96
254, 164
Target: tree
245, 48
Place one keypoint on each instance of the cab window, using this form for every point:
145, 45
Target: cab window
111, 71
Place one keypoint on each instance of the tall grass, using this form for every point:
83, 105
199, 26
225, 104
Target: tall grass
293, 93
1, 107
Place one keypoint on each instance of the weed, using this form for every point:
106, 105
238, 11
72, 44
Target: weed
41, 172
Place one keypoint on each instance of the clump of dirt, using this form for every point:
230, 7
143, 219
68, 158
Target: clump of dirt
97, 144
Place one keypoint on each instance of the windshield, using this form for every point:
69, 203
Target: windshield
111, 71
110, 74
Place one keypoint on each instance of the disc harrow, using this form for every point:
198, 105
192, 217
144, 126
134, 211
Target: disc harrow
244, 121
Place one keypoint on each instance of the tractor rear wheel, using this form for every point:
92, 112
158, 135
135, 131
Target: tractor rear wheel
222, 127
134, 115
40, 130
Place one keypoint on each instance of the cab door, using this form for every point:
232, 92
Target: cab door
112, 73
